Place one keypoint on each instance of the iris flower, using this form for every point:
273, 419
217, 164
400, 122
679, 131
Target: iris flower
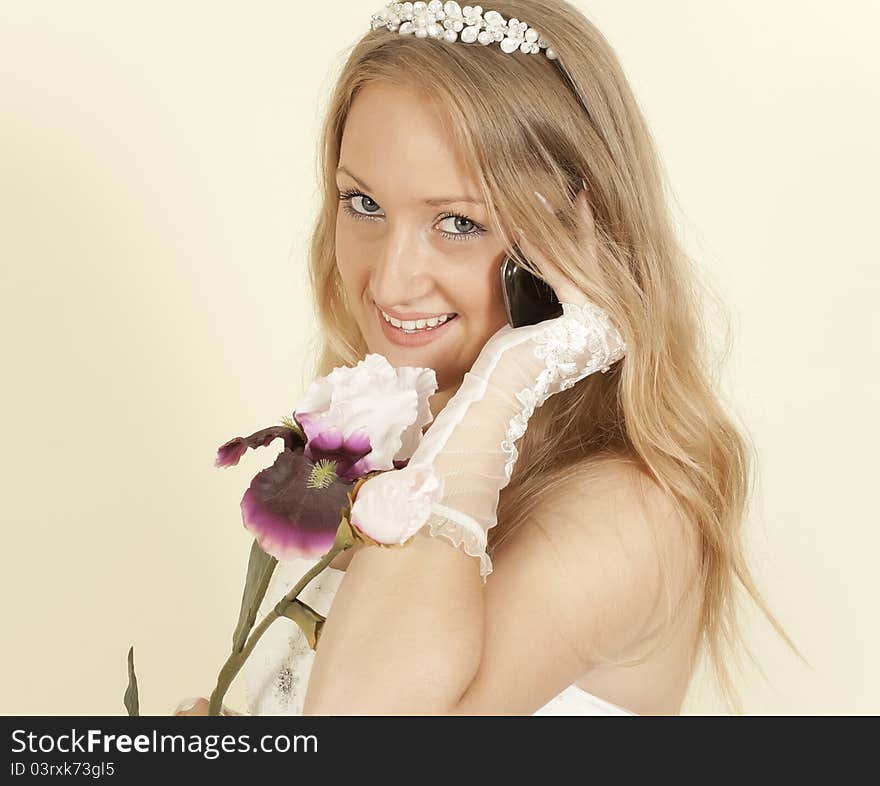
354, 423
350, 423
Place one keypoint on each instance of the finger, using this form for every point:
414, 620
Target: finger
192, 706
587, 225
185, 705
564, 289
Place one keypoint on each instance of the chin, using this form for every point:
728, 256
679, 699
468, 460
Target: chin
399, 357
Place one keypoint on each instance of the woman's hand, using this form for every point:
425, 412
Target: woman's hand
565, 291
199, 706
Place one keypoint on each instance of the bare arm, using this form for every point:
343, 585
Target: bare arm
404, 635
415, 632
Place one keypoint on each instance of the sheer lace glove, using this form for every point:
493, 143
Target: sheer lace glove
453, 480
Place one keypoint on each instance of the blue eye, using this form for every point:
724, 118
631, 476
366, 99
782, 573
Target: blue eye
364, 199
369, 205
456, 220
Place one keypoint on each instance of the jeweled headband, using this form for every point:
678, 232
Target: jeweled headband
446, 21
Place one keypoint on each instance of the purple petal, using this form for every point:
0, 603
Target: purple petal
348, 453
358, 442
328, 441
289, 519
229, 453
368, 464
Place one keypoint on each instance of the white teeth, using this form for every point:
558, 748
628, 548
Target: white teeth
411, 325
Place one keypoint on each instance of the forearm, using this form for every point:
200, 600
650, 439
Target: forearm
404, 635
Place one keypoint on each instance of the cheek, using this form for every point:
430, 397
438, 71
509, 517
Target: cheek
343, 246
484, 303
351, 267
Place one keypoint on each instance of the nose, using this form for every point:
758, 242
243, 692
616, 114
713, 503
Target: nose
400, 276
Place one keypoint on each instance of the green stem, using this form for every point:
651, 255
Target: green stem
236, 660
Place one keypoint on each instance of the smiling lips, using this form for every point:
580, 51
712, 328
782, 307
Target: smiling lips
410, 325
414, 333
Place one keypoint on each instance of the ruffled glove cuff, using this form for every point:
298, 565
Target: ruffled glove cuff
461, 531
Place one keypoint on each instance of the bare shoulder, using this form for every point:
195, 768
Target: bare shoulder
581, 581
619, 497
614, 530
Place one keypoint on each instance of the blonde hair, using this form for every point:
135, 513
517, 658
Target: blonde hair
524, 122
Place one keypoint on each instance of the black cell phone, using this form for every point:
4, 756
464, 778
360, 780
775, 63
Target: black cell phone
527, 299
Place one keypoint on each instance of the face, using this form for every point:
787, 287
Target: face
410, 243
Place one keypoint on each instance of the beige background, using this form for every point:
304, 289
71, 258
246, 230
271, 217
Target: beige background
157, 183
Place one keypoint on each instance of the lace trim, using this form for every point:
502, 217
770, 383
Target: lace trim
460, 530
581, 330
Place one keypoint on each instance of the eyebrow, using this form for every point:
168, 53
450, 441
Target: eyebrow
431, 201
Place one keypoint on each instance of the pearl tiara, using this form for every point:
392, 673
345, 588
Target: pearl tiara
446, 20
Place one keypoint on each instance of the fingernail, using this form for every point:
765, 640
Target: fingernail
545, 203
186, 705
585, 183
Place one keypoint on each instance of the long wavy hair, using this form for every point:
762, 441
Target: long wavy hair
525, 122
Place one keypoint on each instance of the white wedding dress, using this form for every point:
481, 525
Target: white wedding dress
277, 671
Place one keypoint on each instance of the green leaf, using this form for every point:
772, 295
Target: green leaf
310, 621
294, 426
345, 537
259, 572
130, 699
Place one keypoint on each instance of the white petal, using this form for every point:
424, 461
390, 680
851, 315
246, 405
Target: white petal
393, 506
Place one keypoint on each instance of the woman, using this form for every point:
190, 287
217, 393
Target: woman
617, 539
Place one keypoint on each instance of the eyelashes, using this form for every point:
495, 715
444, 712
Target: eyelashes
346, 196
